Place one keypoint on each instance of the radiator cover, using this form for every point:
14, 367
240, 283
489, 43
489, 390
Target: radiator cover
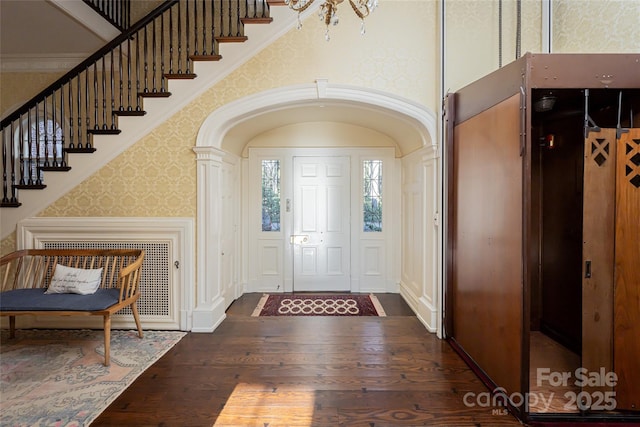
166, 284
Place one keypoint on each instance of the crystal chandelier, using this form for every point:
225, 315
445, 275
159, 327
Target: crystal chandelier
329, 9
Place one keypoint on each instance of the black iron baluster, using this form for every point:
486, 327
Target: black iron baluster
104, 94
204, 26
188, 59
12, 150
70, 96
37, 138
21, 147
229, 16
12, 144
146, 63
195, 27
120, 72
46, 134
129, 107
213, 28
153, 54
113, 99
54, 151
238, 22
171, 40
95, 95
179, 38
138, 71
60, 153
162, 80
5, 199
222, 18
87, 99
79, 90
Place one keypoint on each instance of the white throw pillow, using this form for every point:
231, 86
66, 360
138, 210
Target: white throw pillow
69, 280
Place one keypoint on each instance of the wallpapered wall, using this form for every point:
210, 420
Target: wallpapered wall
398, 54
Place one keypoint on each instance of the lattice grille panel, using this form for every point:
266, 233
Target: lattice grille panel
155, 281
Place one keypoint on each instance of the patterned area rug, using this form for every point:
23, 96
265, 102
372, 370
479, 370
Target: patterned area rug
318, 305
57, 377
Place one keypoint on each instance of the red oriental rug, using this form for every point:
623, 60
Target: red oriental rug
318, 305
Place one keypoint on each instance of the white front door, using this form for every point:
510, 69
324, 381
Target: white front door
321, 224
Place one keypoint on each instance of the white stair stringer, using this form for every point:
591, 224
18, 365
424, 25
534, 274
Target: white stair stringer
158, 110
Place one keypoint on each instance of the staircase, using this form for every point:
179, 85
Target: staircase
123, 91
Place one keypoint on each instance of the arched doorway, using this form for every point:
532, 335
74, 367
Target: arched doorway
223, 137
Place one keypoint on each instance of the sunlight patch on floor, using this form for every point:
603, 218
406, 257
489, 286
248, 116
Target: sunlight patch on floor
263, 404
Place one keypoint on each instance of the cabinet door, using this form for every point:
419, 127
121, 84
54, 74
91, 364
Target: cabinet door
626, 330
598, 252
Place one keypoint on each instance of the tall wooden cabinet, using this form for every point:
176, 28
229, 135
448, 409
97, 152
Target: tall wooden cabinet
543, 227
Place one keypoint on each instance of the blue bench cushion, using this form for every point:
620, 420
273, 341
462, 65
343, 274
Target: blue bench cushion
37, 300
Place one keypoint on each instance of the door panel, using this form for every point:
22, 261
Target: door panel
598, 251
321, 217
627, 273
487, 249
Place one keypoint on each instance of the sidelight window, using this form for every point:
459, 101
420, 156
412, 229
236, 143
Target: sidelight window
372, 195
271, 195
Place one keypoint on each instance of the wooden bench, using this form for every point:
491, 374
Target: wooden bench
25, 276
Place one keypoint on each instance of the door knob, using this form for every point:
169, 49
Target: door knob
298, 239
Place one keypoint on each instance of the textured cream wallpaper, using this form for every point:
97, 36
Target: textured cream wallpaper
607, 26
473, 37
17, 88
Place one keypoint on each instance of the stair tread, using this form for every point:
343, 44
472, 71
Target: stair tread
132, 113
55, 168
180, 76
30, 186
231, 39
104, 131
256, 20
79, 150
154, 94
205, 57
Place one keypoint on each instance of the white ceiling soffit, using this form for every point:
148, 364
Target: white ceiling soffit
47, 36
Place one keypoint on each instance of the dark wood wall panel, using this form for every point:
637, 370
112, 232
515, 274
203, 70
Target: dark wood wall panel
487, 242
598, 251
627, 285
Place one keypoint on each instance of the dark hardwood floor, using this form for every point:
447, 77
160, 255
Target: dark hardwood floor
307, 371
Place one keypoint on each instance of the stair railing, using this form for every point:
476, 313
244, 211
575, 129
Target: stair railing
117, 12
113, 82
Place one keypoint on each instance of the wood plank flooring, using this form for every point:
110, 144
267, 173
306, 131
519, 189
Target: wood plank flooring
306, 371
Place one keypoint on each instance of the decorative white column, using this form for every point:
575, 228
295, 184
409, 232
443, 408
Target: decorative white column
209, 311
431, 293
